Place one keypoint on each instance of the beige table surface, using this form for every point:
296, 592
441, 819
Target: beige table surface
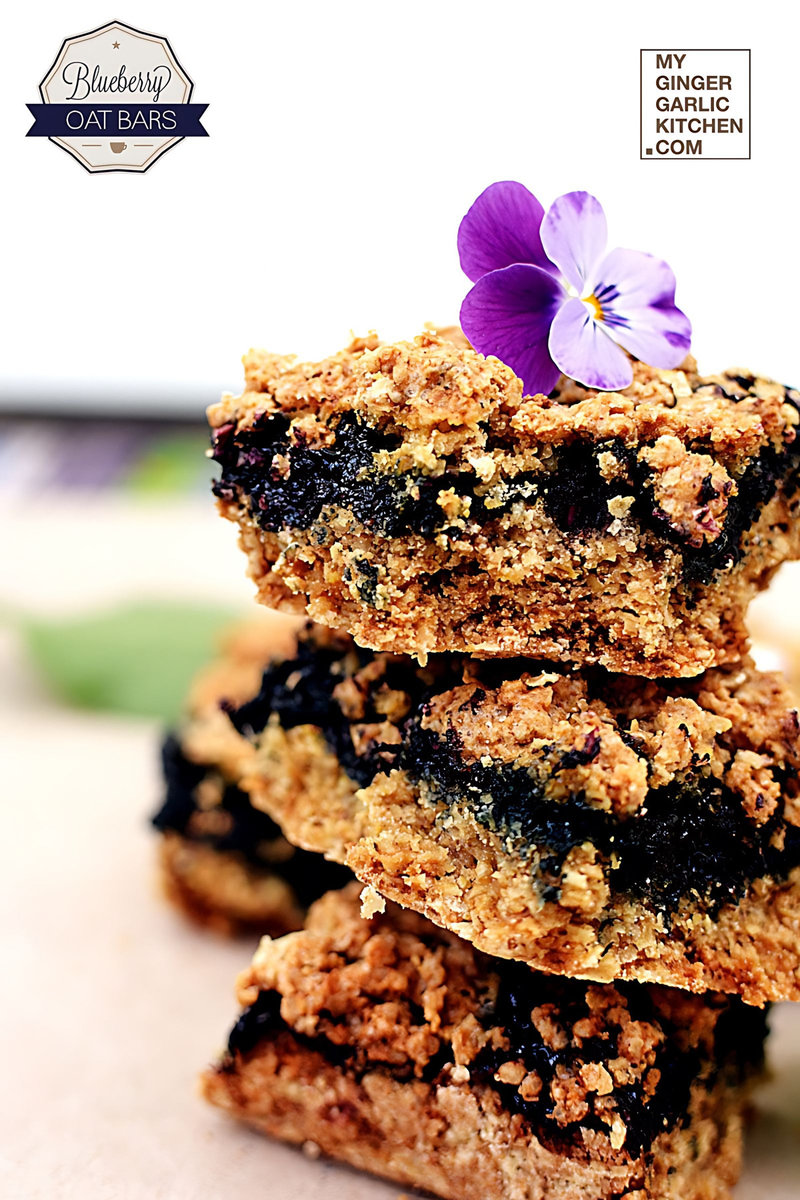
110, 1006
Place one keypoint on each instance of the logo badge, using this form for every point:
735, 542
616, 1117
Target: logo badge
116, 99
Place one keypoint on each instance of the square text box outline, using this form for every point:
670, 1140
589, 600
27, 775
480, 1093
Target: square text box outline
689, 157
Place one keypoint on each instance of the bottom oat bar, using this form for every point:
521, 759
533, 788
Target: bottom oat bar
398, 1048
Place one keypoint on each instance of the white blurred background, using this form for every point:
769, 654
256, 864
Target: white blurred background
346, 141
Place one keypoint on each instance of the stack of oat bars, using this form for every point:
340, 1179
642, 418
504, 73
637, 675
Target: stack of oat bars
525, 720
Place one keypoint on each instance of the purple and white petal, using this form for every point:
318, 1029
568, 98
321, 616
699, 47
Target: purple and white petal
658, 336
574, 236
501, 228
508, 313
583, 350
636, 293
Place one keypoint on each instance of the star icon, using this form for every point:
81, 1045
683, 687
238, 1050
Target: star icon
115, 45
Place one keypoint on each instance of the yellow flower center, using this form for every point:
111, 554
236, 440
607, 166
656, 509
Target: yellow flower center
594, 306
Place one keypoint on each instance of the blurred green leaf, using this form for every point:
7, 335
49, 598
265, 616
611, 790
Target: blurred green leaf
176, 463
137, 659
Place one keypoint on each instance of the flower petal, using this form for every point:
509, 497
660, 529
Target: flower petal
508, 313
574, 235
583, 350
637, 295
501, 228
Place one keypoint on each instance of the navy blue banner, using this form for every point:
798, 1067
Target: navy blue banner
116, 120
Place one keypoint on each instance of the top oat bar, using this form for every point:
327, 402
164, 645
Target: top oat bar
412, 495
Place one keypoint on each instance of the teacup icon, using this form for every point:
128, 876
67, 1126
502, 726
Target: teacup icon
118, 147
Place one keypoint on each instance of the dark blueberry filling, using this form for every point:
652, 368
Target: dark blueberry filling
739, 1035
520, 991
739, 1039
290, 484
691, 839
367, 581
247, 827
293, 496
745, 382
263, 1020
739, 1047
309, 875
181, 777
294, 493
576, 496
300, 692
756, 487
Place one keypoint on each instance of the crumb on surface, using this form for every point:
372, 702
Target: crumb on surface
372, 902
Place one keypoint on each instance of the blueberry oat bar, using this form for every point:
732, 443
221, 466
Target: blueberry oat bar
591, 825
412, 495
397, 1048
224, 863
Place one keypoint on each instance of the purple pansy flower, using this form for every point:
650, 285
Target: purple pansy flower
548, 299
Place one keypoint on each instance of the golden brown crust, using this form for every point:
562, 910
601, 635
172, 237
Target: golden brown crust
610, 739
613, 608
395, 989
460, 1144
244, 650
225, 889
439, 385
392, 993
614, 743
515, 583
458, 873
222, 892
